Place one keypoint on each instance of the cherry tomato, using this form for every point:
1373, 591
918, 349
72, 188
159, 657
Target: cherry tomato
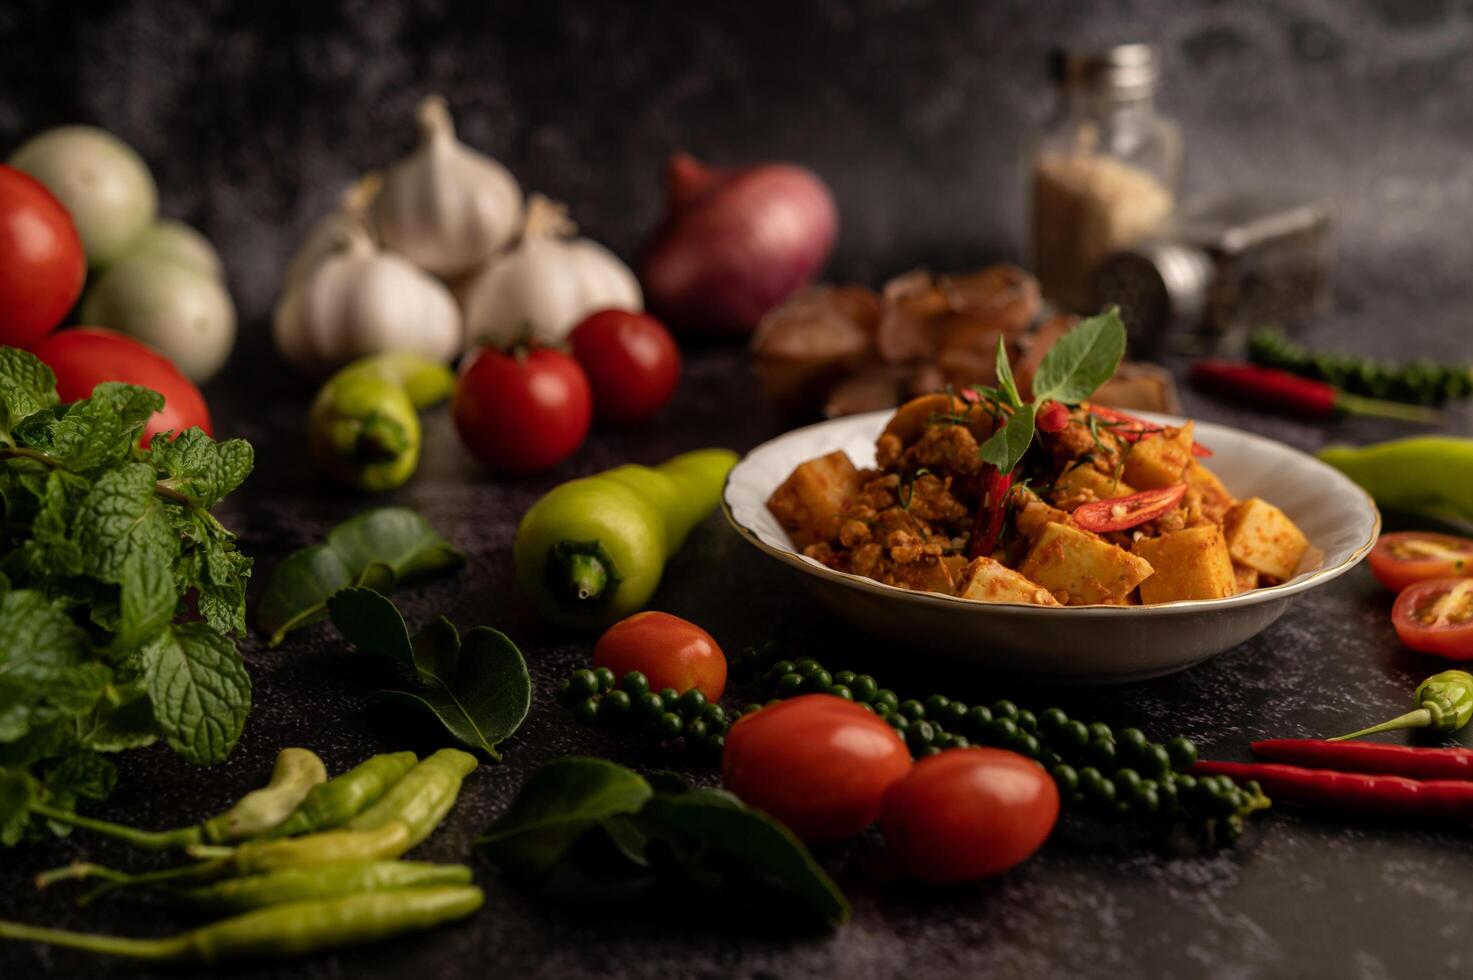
967, 814
1119, 513
1131, 429
632, 363
1407, 557
522, 412
1052, 417
42, 265
1436, 616
85, 357
667, 650
817, 763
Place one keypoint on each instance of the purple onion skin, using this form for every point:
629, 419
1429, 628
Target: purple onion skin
735, 244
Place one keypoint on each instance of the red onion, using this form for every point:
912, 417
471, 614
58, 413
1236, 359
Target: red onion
736, 243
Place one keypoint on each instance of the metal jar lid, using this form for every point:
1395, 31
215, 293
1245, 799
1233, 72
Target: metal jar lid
1123, 69
1160, 287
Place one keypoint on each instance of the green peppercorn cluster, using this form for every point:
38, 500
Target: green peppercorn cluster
1096, 768
596, 697
1421, 382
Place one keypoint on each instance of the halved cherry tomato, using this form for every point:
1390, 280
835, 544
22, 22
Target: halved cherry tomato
1406, 557
1120, 513
817, 763
667, 650
1052, 417
1436, 616
967, 814
1131, 429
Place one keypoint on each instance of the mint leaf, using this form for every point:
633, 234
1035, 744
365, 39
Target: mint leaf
115, 728
83, 775
201, 468
104, 428
1081, 360
121, 522
26, 387
147, 603
17, 793
38, 640
199, 689
1005, 447
1007, 387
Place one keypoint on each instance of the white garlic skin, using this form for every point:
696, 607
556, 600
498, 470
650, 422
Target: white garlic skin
446, 207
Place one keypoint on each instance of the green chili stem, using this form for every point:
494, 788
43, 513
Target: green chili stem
172, 948
148, 840
78, 871
1420, 718
586, 577
1377, 408
200, 873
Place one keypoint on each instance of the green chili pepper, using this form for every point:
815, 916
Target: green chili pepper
421, 799
296, 772
592, 550
303, 884
1430, 476
281, 931
1445, 704
342, 798
363, 428
385, 841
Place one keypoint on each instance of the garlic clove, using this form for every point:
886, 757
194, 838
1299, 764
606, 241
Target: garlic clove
334, 233
446, 207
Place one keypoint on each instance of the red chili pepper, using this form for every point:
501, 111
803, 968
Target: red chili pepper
1289, 393
1132, 510
987, 525
1352, 792
1128, 428
1377, 757
1052, 417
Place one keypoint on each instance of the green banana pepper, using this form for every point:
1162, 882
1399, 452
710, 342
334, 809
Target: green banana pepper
364, 428
1444, 704
1430, 476
592, 550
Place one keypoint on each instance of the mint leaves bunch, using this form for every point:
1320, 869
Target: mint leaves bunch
1078, 363
119, 591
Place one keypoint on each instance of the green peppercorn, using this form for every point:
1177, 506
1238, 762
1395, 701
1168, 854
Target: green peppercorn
649, 707
714, 715
616, 704
1146, 800
1001, 731
1100, 730
1126, 781
605, 678
1089, 780
898, 722
1048, 758
695, 729
789, 684
1101, 752
865, 689
582, 684
920, 735
1183, 752
1104, 795
959, 742
935, 703
1130, 742
1154, 760
913, 709
1066, 777
1185, 782
1004, 709
867, 707
842, 691
669, 697
1073, 737
1052, 720
928, 751
952, 714
976, 720
634, 684
1026, 743
714, 745
670, 725
818, 682
691, 703
806, 666
845, 677
1027, 721
887, 696
880, 708
780, 668
751, 709
586, 711
773, 650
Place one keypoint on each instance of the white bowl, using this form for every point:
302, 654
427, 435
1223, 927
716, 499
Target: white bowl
1079, 644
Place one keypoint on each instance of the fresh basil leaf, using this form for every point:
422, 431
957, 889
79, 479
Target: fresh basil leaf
17, 793
1005, 383
1081, 360
199, 689
711, 822
378, 549
199, 467
26, 387
1005, 447
555, 806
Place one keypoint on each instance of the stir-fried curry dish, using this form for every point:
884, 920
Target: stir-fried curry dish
1103, 509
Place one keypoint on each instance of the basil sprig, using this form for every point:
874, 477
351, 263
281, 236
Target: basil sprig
1078, 363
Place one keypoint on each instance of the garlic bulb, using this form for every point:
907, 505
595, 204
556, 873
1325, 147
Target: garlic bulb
363, 301
447, 207
332, 234
544, 287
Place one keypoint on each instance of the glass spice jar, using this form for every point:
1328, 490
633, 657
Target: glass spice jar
1102, 172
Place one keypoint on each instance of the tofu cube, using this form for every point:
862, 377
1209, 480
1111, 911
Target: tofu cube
1159, 460
1262, 538
1192, 563
1215, 498
810, 504
1082, 569
991, 581
1247, 577
1083, 483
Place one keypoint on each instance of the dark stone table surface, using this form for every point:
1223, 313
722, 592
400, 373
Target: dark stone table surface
253, 115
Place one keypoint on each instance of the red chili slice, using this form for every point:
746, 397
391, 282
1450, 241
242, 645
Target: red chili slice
1121, 513
1131, 429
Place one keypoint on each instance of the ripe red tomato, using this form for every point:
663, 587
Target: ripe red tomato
85, 357
42, 265
817, 763
1120, 513
967, 814
1407, 557
522, 412
1436, 616
667, 650
632, 363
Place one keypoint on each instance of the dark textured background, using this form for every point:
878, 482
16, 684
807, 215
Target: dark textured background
254, 115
